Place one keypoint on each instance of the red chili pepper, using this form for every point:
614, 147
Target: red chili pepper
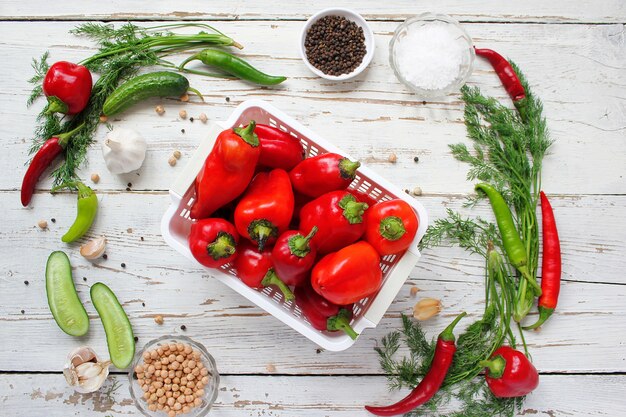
390, 226
48, 152
550, 265
213, 242
323, 173
293, 256
430, 384
278, 149
509, 79
255, 269
265, 210
322, 314
510, 373
348, 275
338, 216
68, 87
227, 170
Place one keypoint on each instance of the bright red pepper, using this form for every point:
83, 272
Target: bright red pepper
265, 210
48, 152
227, 170
348, 275
213, 242
67, 87
430, 384
255, 269
510, 373
323, 173
550, 265
322, 314
293, 256
278, 149
338, 216
390, 226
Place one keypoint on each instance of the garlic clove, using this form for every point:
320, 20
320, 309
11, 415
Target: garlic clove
84, 371
426, 308
94, 248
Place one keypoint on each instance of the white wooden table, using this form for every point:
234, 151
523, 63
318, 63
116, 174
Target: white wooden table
575, 58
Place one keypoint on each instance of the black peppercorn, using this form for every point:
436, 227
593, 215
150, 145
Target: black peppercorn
183, 327
105, 256
123, 265
416, 159
53, 220
25, 282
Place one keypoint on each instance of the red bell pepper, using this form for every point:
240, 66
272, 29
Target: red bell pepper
48, 152
67, 87
348, 275
255, 269
323, 173
510, 373
213, 242
227, 170
322, 314
278, 149
338, 216
390, 226
266, 208
293, 256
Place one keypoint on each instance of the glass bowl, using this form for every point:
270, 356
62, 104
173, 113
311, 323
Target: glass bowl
210, 389
461, 38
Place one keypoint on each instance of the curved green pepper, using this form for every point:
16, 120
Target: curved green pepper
85, 214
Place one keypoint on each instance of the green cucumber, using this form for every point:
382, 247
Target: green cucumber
142, 87
120, 338
63, 300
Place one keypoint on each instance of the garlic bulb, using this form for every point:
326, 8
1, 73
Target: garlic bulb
123, 150
84, 371
94, 248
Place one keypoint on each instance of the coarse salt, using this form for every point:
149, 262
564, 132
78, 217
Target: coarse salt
429, 56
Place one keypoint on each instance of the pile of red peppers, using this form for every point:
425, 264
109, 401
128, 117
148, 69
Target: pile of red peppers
282, 220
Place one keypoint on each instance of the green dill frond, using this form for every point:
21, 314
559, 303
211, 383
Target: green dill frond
41, 67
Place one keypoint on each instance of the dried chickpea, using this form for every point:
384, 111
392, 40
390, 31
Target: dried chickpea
152, 389
189, 399
180, 347
181, 399
177, 406
195, 372
200, 393
187, 371
153, 397
171, 413
171, 402
160, 392
159, 406
175, 386
205, 380
393, 158
42, 224
203, 118
177, 154
190, 377
146, 355
197, 402
171, 358
204, 371
174, 365
162, 400
182, 114
168, 381
173, 347
146, 395
183, 381
184, 98
187, 349
180, 358
186, 409
152, 407
176, 379
154, 354
159, 109
172, 161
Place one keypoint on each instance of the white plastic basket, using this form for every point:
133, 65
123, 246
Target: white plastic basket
368, 312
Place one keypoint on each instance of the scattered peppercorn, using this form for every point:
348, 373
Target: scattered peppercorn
23, 312
318, 351
406, 190
136, 339
143, 304
53, 220
424, 102
335, 45
127, 188
85, 279
123, 265
130, 184
227, 99
105, 256
25, 282
416, 159
141, 238
182, 131
191, 119
183, 327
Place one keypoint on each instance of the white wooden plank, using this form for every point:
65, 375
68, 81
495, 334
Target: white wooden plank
491, 11
229, 325
576, 69
280, 396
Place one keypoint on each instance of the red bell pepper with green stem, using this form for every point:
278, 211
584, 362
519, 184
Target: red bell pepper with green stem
227, 170
322, 314
266, 208
348, 275
213, 242
67, 87
550, 265
293, 256
323, 173
339, 217
430, 384
48, 152
510, 374
254, 268
278, 148
390, 226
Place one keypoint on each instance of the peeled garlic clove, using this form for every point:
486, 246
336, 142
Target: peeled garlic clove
84, 371
426, 308
94, 248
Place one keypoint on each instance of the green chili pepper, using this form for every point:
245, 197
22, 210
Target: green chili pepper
513, 245
232, 65
86, 213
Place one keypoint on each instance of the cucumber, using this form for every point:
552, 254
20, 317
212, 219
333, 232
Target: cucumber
154, 84
63, 300
120, 338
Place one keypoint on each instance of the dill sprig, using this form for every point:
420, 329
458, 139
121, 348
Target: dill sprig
122, 52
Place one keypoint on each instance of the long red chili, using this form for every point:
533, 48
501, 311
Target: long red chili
508, 77
430, 384
550, 264
48, 152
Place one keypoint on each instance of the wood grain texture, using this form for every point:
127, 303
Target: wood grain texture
305, 396
595, 11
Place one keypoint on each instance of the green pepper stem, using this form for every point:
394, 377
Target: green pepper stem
347, 168
56, 105
352, 210
272, 279
260, 231
341, 322
392, 228
64, 138
544, 314
299, 245
447, 334
222, 247
247, 134
196, 92
495, 366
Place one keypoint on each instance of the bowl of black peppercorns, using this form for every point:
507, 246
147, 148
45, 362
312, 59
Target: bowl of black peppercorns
337, 44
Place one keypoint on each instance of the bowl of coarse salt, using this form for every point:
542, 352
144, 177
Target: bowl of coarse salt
432, 55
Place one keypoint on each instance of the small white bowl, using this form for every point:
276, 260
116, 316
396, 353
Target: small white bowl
352, 16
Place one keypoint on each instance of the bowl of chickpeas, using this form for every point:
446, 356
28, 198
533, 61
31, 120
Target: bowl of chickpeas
172, 376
